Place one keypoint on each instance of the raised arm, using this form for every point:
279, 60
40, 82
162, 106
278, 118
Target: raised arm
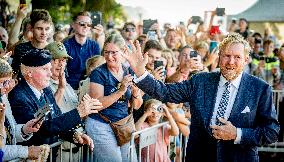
176, 93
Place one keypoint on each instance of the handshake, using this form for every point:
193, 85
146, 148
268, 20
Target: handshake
88, 106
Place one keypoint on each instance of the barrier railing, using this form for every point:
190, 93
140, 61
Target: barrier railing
145, 138
277, 146
85, 154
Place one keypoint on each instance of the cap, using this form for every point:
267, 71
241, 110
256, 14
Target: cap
36, 58
57, 50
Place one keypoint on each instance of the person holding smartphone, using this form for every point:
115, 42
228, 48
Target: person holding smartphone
15, 132
154, 50
190, 61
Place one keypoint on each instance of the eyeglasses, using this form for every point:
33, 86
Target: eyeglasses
84, 24
111, 52
5, 83
129, 29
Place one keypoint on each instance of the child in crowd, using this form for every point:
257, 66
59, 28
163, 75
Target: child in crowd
91, 64
154, 110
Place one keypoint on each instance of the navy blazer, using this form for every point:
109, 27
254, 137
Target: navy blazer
259, 126
24, 105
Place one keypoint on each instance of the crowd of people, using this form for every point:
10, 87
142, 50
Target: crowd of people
85, 79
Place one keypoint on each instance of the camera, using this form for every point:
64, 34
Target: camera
159, 108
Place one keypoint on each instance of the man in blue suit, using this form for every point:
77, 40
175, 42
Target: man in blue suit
232, 112
33, 92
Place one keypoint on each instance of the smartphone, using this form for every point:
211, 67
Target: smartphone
193, 54
195, 19
147, 25
96, 17
212, 46
23, 4
41, 114
158, 64
220, 11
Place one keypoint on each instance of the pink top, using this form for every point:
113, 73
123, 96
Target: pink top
162, 153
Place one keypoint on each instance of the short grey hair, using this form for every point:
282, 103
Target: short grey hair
116, 39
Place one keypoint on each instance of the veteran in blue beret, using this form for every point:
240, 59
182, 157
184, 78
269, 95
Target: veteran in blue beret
33, 93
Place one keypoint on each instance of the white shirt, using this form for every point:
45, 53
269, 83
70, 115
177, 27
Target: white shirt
35, 91
233, 93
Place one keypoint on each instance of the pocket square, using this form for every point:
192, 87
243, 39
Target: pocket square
246, 110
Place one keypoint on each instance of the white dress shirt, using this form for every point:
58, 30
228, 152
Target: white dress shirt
233, 93
35, 91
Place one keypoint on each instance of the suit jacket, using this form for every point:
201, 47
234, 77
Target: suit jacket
24, 105
259, 126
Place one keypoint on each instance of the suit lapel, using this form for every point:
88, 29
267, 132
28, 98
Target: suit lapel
210, 92
241, 98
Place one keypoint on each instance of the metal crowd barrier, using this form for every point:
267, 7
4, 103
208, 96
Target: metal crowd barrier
277, 146
177, 153
85, 155
148, 136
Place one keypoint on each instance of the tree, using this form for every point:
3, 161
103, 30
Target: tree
62, 10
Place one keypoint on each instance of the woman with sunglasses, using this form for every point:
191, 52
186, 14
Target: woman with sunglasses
111, 83
15, 132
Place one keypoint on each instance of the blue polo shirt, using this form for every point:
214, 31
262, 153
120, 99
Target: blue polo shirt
76, 67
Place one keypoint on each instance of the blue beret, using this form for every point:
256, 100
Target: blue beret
36, 58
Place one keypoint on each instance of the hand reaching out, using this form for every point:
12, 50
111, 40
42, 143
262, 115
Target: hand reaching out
158, 73
136, 58
34, 152
88, 106
125, 83
83, 139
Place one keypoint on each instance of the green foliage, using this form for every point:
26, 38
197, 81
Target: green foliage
63, 10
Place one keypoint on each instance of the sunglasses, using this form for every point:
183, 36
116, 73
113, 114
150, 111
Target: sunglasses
5, 83
129, 29
84, 24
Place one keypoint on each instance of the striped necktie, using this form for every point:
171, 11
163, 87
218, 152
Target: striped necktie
223, 103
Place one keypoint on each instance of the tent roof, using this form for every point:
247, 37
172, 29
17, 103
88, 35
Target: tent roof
263, 10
